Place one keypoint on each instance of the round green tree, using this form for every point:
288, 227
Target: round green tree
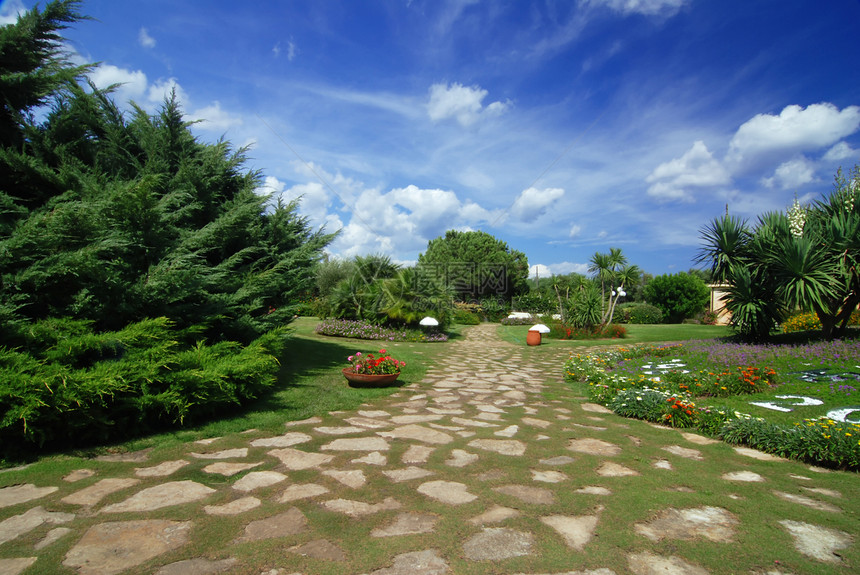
678, 296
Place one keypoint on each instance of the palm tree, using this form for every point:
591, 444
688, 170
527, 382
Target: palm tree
783, 264
600, 265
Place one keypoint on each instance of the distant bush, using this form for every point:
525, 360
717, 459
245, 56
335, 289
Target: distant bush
560, 331
639, 313
531, 320
464, 317
494, 309
679, 296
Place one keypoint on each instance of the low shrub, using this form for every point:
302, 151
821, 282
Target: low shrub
494, 309
102, 387
464, 317
640, 313
531, 320
559, 330
821, 441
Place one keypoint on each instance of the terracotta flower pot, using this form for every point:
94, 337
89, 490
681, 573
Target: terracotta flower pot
367, 380
533, 338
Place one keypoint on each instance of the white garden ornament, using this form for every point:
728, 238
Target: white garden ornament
429, 322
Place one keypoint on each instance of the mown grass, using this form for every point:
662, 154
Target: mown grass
310, 383
636, 333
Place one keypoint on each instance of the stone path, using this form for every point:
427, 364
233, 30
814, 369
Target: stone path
489, 465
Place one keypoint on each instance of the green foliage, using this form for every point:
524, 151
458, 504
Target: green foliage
613, 273
639, 313
76, 387
330, 273
679, 296
465, 317
108, 220
475, 265
494, 309
815, 440
559, 330
33, 67
807, 258
535, 302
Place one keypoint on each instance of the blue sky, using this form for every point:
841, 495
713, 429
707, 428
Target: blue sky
561, 127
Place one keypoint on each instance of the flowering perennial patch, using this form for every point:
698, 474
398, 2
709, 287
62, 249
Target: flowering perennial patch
366, 330
632, 384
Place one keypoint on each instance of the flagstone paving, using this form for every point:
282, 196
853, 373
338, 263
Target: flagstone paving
428, 472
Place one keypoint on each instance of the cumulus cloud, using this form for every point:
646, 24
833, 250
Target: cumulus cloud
533, 203
841, 151
314, 198
539, 270
145, 39
791, 174
462, 103
575, 230
214, 118
397, 221
10, 10
697, 168
795, 129
163, 88
664, 8
132, 84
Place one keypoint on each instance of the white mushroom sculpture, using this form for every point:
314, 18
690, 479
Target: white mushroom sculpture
429, 322
540, 328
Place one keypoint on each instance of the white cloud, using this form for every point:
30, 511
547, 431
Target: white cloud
145, 39
533, 203
462, 103
161, 90
214, 118
791, 174
575, 230
132, 83
564, 268
841, 151
697, 168
10, 10
315, 199
664, 8
795, 129
397, 222
540, 271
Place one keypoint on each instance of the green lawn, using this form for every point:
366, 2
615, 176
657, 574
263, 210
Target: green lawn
635, 334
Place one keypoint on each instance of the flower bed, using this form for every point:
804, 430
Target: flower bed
365, 330
644, 383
